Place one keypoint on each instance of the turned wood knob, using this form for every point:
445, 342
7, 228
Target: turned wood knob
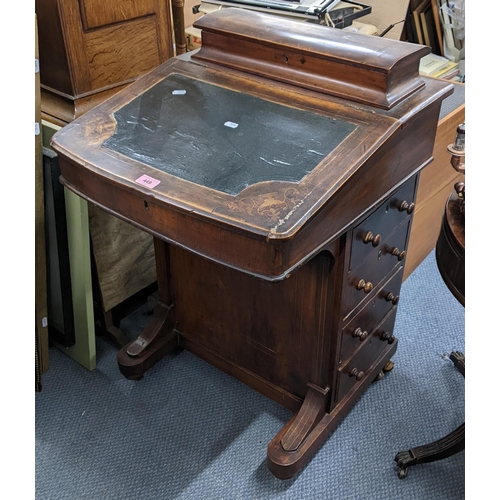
387, 336
400, 254
460, 189
355, 373
374, 239
360, 334
367, 287
406, 207
390, 297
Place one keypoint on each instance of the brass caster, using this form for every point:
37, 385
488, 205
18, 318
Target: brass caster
388, 367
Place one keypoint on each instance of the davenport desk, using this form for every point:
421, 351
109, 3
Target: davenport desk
276, 168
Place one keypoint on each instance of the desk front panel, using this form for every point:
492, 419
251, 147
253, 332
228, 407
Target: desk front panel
343, 161
270, 329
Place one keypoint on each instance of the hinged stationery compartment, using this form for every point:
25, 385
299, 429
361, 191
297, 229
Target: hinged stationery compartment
380, 73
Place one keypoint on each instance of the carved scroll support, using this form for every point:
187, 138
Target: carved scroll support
157, 340
300, 438
310, 413
159, 337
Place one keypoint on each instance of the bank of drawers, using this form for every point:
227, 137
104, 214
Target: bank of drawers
364, 279
356, 366
372, 285
372, 314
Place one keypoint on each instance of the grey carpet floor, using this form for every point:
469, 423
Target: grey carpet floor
189, 431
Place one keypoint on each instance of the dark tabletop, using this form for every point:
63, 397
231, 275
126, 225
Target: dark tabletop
222, 139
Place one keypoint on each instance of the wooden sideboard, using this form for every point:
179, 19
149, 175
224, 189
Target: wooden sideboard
436, 182
90, 49
277, 171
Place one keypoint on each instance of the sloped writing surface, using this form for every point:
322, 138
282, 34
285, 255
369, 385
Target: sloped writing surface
222, 139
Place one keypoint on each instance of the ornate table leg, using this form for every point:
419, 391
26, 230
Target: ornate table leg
442, 448
159, 336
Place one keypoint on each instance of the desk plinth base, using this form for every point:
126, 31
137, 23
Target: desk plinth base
278, 338
301, 437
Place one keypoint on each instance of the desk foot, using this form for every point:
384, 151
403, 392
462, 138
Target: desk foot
158, 339
310, 413
300, 438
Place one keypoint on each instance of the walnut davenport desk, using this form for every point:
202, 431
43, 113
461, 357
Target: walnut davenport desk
276, 168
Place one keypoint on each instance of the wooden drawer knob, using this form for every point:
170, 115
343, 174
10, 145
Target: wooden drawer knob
367, 287
373, 239
387, 336
406, 207
356, 373
460, 189
400, 254
390, 297
360, 334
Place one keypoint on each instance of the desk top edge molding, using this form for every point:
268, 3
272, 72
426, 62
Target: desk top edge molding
389, 122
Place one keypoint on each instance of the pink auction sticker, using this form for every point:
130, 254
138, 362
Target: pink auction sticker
149, 182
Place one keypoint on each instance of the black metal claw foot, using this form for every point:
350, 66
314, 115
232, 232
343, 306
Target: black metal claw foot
458, 359
437, 450
440, 449
403, 460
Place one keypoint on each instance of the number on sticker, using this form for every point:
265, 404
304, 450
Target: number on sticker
147, 181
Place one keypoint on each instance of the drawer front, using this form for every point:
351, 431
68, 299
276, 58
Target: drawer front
96, 13
381, 298
362, 326
354, 370
385, 257
107, 48
374, 230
